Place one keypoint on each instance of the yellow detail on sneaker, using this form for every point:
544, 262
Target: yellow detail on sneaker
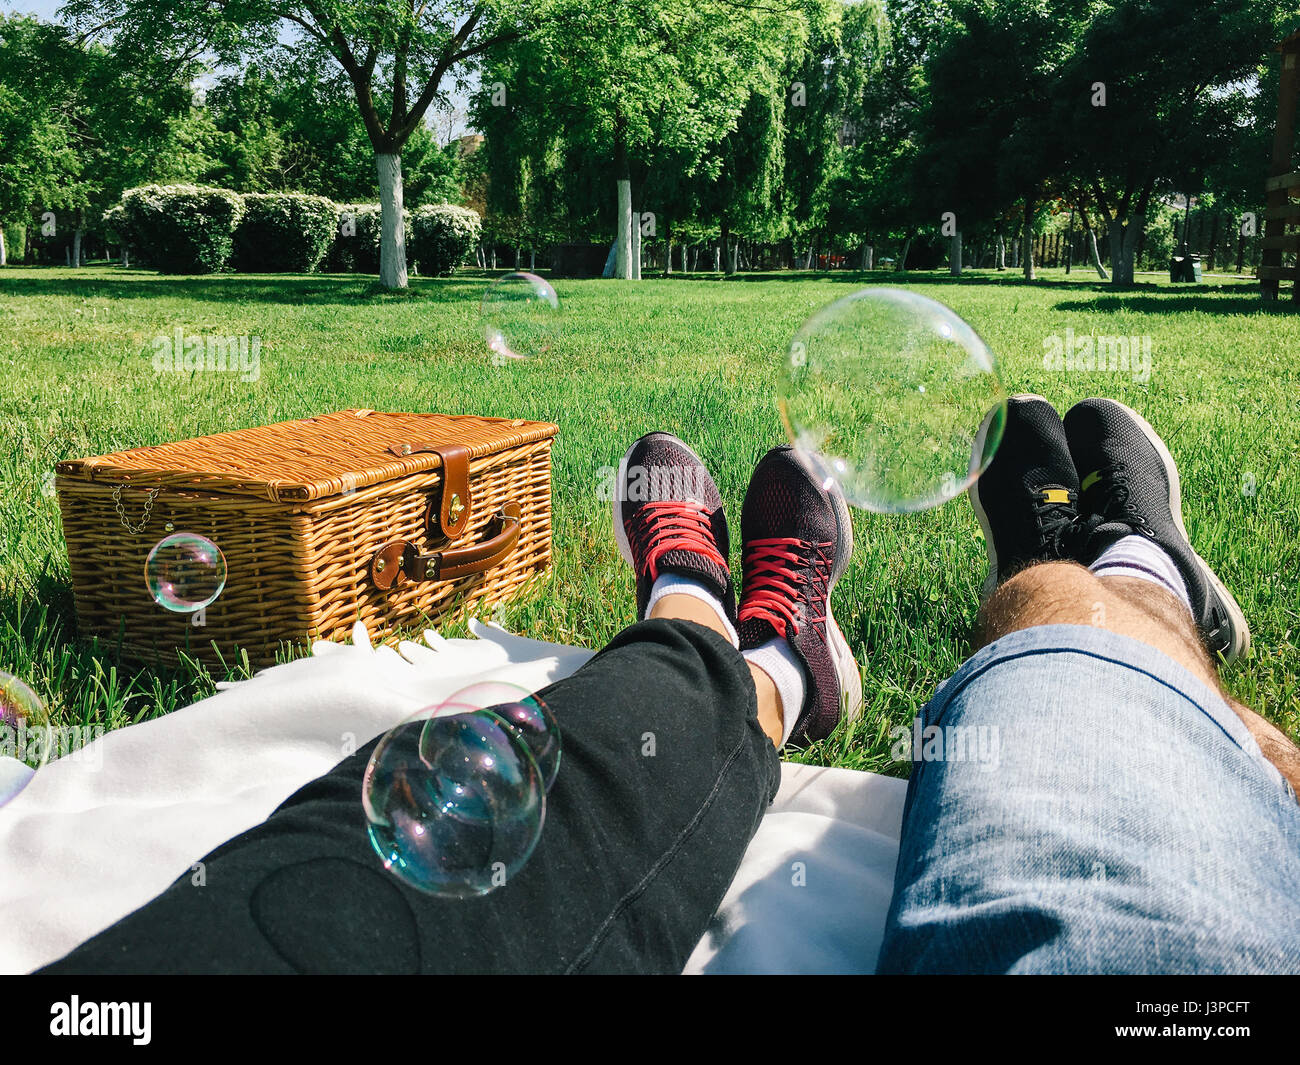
1090, 480
1056, 495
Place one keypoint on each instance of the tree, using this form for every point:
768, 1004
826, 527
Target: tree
636, 87
1153, 95
38, 164
394, 53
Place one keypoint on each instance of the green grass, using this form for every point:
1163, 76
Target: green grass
697, 357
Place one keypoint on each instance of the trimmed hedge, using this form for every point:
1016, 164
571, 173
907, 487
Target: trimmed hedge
442, 237
284, 232
183, 229
356, 239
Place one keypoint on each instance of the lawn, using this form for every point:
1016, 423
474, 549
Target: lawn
697, 357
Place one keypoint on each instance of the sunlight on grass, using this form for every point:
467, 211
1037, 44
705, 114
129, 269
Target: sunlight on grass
691, 356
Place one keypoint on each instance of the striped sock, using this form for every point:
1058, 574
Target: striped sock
1136, 556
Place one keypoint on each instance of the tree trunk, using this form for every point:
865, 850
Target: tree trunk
1090, 239
1214, 244
724, 242
623, 249
954, 254
532, 259
1123, 245
392, 231
4, 253
126, 256
902, 258
868, 257
1001, 253
717, 257
79, 239
1241, 248
1028, 255
668, 248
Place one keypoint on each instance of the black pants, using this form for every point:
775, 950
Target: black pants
636, 853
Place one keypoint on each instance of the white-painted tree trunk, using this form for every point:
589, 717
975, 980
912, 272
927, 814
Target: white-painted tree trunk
717, 258
902, 258
77, 236
4, 252
126, 256
1095, 255
392, 231
1123, 248
954, 254
1027, 254
1001, 253
623, 239
532, 259
869, 257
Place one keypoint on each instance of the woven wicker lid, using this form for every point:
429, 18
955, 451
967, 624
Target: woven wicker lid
312, 458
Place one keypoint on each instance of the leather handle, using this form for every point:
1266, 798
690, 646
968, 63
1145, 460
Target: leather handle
451, 513
398, 560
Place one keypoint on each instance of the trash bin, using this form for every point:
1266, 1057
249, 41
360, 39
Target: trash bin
1184, 267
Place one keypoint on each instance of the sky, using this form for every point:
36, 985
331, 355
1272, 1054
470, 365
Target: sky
46, 10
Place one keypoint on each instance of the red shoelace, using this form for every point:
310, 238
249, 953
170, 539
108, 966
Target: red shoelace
672, 525
774, 573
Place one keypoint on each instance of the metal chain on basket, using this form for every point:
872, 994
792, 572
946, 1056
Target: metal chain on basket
121, 510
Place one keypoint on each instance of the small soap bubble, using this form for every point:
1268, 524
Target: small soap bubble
521, 316
24, 722
185, 572
455, 802
523, 712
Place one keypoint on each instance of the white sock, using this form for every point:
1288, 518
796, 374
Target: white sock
671, 584
1136, 556
777, 659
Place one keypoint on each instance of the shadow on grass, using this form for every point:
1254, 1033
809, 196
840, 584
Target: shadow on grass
1204, 300
294, 289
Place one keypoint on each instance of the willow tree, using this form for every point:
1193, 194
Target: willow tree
396, 54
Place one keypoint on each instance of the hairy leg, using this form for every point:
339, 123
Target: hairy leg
1065, 593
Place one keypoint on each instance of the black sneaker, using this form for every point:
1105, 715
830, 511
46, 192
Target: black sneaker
668, 518
1130, 485
1027, 500
796, 543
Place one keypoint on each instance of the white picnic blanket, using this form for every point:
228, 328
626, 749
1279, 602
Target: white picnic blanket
96, 834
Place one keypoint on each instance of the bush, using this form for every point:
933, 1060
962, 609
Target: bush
442, 237
284, 232
356, 239
182, 229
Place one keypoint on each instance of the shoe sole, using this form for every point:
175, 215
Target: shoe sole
991, 581
847, 670
845, 665
1240, 644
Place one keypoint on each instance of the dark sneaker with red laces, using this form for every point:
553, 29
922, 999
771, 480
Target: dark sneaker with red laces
1027, 500
668, 519
1130, 486
796, 544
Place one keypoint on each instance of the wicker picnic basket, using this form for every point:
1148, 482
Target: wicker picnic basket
394, 520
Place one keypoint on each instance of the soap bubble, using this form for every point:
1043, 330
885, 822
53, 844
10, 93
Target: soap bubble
521, 314
525, 713
455, 802
892, 396
24, 722
185, 572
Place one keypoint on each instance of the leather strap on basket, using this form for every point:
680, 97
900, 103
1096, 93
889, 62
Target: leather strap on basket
452, 511
399, 561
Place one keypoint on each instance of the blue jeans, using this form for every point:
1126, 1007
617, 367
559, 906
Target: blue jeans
1081, 803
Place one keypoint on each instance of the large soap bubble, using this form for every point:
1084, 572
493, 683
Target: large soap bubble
894, 397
